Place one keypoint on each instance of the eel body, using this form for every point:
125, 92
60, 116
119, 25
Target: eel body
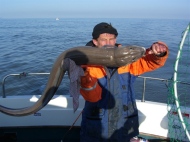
82, 55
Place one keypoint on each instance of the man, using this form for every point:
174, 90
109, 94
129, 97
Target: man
110, 112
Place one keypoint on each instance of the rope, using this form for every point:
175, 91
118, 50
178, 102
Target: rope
72, 125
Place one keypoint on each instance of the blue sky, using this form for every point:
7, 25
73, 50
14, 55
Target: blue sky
172, 9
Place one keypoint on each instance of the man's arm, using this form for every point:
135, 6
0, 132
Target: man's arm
154, 58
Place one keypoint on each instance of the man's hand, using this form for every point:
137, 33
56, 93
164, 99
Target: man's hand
158, 48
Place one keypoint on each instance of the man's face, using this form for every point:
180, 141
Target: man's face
105, 39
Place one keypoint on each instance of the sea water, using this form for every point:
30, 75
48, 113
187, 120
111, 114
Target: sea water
32, 45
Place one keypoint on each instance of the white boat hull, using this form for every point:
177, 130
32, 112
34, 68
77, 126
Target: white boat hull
59, 112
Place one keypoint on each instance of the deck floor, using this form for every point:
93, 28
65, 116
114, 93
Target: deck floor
154, 138
49, 134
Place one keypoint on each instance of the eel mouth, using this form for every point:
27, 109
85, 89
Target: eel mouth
82, 55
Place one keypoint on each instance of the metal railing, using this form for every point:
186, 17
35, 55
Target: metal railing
24, 74
35, 74
150, 78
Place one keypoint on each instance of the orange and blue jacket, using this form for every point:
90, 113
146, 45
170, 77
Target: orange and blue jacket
110, 99
93, 91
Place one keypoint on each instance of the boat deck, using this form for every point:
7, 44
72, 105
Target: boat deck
153, 138
52, 134
49, 124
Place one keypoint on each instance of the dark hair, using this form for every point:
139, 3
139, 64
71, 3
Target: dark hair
103, 28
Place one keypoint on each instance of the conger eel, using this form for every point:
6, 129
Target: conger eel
82, 55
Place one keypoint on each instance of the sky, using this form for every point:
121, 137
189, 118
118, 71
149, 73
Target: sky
162, 9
